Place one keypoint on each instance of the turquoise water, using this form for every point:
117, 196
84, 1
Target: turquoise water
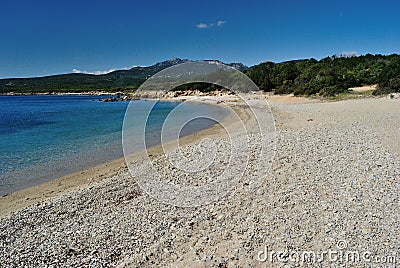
45, 137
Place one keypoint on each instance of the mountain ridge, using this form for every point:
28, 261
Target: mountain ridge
325, 77
77, 82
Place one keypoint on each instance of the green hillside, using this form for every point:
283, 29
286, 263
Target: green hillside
326, 77
115, 81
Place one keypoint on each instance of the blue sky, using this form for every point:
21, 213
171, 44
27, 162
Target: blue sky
56, 36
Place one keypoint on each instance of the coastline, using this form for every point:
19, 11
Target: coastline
335, 177
26, 196
21, 198
88, 93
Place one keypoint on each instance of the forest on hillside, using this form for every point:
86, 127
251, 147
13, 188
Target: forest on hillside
328, 76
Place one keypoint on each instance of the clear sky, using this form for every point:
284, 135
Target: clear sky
57, 36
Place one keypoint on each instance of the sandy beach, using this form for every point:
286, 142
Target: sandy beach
334, 179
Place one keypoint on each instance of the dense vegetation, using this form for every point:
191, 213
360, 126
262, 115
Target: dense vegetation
326, 77
121, 80
329, 76
66, 83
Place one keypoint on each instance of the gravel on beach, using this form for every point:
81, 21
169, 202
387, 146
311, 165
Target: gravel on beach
335, 179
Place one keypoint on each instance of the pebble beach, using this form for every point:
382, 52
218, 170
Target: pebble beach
334, 184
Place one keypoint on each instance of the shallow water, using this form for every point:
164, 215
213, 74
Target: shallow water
45, 137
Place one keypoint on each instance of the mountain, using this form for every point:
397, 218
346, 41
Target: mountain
325, 77
119, 80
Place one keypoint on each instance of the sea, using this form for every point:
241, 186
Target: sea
43, 137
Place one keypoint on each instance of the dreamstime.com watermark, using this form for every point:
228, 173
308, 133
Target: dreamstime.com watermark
340, 254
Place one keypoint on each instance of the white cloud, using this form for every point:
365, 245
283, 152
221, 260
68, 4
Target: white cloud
103, 72
220, 23
347, 54
210, 25
76, 71
202, 26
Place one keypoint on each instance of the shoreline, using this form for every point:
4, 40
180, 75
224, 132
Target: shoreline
34, 193
21, 198
88, 93
335, 177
